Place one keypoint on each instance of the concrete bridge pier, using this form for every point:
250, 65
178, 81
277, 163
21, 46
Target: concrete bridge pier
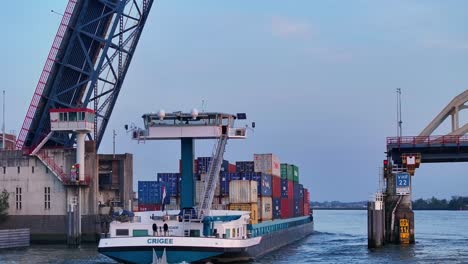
399, 215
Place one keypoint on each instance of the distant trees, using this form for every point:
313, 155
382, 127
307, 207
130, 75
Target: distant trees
456, 203
4, 205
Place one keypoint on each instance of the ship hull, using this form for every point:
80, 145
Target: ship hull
180, 249
269, 243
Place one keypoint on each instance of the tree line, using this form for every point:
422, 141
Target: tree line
456, 203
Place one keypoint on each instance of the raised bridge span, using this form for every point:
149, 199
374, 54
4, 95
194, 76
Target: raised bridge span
85, 68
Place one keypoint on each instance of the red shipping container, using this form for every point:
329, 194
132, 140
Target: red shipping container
306, 209
149, 207
291, 190
286, 208
276, 188
232, 168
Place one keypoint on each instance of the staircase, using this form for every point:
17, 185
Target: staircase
212, 177
51, 165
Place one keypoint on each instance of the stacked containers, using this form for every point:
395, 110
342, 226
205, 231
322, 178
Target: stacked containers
224, 179
232, 168
298, 200
172, 181
284, 188
242, 192
295, 172
203, 165
276, 208
267, 163
306, 202
150, 195
243, 196
245, 166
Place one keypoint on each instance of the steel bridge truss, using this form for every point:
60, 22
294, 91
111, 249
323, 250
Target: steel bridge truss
86, 67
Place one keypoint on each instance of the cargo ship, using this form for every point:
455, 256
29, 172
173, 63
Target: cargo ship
211, 210
258, 207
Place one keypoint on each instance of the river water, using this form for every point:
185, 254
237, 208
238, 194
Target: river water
340, 237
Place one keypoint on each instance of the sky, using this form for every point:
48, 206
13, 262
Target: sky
318, 78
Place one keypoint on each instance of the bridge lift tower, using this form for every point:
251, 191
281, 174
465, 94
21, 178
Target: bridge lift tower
187, 127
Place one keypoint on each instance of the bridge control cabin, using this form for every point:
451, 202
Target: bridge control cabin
72, 119
178, 125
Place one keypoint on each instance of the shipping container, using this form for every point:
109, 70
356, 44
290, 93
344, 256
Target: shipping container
295, 173
284, 188
203, 165
290, 189
306, 209
245, 166
232, 168
268, 164
276, 208
172, 180
276, 182
296, 209
151, 192
249, 207
218, 186
241, 192
265, 208
286, 208
149, 207
286, 171
264, 182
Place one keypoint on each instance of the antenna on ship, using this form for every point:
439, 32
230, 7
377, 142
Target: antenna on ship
3, 123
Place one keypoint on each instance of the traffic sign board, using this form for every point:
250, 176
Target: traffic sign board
402, 183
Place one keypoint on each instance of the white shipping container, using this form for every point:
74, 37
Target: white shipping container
265, 208
243, 191
268, 164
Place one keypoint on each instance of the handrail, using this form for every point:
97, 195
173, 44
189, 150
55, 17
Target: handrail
427, 140
45, 74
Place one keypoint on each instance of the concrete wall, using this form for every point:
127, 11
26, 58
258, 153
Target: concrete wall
50, 224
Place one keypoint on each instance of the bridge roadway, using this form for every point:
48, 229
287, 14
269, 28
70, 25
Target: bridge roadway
433, 149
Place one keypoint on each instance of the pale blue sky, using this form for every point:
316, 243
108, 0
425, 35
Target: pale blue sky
318, 78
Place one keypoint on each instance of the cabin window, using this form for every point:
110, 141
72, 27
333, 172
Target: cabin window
72, 116
228, 233
121, 232
19, 170
238, 234
4, 170
233, 232
32, 169
81, 116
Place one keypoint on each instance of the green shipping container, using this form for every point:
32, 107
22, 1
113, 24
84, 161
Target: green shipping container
295, 172
284, 171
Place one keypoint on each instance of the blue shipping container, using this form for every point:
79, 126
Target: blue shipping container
245, 166
151, 192
276, 208
265, 185
204, 165
296, 190
224, 179
172, 180
284, 188
296, 209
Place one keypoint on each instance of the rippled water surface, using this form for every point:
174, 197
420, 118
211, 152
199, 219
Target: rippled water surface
340, 237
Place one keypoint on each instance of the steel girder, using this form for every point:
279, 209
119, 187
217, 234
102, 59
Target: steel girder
91, 65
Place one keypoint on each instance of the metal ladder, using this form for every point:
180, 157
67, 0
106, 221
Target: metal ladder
186, 221
212, 177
